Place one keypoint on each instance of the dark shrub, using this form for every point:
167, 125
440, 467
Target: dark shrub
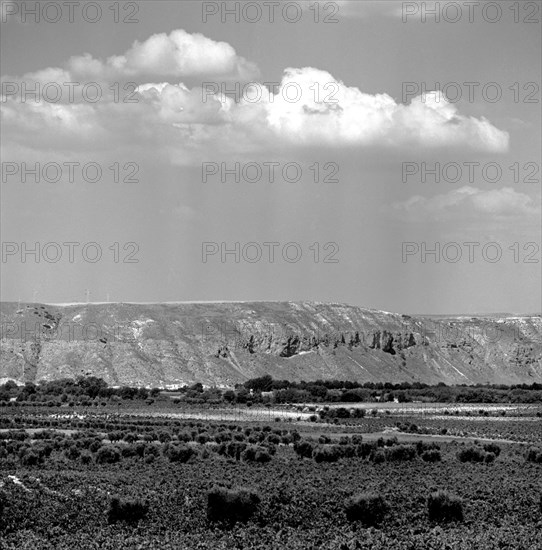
140, 448
324, 439
431, 456
128, 510
72, 453
286, 439
29, 457
366, 449
223, 436
422, 446
442, 506
86, 457
492, 448
534, 455
471, 454
130, 437
357, 439
377, 457
44, 450
164, 436
327, 453
108, 454
273, 438
231, 505
95, 445
348, 451
234, 449
44, 434
128, 451
303, 449
256, 454
184, 436
489, 458
178, 453
151, 449
369, 508
114, 436
401, 453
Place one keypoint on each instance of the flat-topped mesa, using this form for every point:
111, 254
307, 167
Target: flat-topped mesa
223, 343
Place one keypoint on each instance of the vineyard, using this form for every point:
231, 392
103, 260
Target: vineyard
100, 480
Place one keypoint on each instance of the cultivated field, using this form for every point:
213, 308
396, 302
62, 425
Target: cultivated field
398, 478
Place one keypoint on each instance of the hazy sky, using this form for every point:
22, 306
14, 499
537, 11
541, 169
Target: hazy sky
337, 113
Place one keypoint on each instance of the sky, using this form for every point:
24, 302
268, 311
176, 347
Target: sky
146, 117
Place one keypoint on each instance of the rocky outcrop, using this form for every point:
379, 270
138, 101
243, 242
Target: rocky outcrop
226, 343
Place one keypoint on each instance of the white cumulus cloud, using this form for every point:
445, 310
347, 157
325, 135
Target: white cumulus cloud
468, 202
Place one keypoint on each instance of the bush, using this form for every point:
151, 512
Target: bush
72, 453
95, 446
489, 458
303, 449
422, 446
377, 457
492, 448
327, 453
128, 451
86, 457
273, 438
534, 455
369, 508
231, 505
256, 453
151, 449
471, 454
128, 510
442, 507
401, 453
365, 449
178, 453
129, 437
108, 454
29, 458
431, 456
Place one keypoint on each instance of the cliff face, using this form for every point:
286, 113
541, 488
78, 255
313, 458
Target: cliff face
225, 343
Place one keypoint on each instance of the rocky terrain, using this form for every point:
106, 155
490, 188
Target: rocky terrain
170, 344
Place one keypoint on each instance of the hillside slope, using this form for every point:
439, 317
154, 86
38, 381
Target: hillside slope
224, 343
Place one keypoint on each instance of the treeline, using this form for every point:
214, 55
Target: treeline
67, 390
265, 389
285, 391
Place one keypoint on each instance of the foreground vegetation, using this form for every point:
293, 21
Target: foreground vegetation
93, 480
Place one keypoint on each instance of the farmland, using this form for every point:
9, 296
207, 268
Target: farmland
127, 477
